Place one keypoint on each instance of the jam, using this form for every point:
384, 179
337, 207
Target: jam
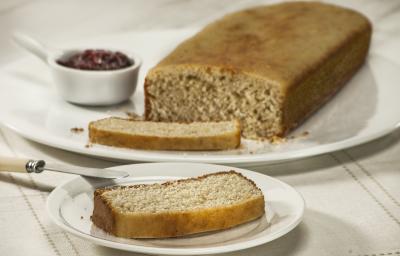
97, 60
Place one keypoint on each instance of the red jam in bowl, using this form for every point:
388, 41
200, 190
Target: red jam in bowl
93, 59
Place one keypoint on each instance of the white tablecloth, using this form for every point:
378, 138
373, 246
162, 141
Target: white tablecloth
352, 196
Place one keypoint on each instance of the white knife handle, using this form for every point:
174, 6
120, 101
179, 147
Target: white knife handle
15, 164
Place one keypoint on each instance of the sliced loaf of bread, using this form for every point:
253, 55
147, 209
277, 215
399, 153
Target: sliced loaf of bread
269, 66
128, 133
211, 202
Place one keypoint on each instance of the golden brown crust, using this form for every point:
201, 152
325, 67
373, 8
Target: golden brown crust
283, 42
228, 140
308, 49
103, 216
186, 223
147, 106
330, 75
173, 224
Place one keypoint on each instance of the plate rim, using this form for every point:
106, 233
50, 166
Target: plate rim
51, 203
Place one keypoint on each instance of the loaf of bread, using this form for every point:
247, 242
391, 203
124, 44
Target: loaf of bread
270, 67
212, 202
129, 133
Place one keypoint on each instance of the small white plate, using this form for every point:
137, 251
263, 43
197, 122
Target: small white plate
365, 109
71, 204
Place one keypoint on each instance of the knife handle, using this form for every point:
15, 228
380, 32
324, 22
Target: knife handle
15, 164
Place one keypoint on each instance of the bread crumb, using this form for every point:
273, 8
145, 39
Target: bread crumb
277, 140
81, 217
77, 130
241, 146
134, 116
301, 135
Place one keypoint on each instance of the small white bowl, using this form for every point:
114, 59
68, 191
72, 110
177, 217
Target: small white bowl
94, 87
85, 87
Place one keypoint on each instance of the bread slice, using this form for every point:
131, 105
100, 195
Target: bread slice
128, 133
211, 202
270, 66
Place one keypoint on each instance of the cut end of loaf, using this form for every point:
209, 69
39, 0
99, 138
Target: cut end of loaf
190, 93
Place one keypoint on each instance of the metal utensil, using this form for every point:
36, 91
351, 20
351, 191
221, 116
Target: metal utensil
13, 164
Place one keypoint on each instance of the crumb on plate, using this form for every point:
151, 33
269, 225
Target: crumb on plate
133, 115
278, 140
77, 130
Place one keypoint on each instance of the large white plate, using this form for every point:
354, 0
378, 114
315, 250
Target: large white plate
71, 204
364, 110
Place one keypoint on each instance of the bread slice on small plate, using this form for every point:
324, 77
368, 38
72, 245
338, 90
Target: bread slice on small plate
76, 204
176, 208
135, 134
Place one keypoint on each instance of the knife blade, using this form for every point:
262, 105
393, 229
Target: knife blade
83, 171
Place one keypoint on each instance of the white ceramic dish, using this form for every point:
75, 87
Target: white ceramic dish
71, 204
364, 110
95, 88
85, 87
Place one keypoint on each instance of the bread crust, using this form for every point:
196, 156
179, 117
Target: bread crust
228, 140
341, 64
174, 224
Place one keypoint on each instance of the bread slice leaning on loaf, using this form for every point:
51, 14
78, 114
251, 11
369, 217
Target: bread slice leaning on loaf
269, 66
128, 133
211, 202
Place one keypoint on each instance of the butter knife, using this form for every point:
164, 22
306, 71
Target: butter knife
13, 164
